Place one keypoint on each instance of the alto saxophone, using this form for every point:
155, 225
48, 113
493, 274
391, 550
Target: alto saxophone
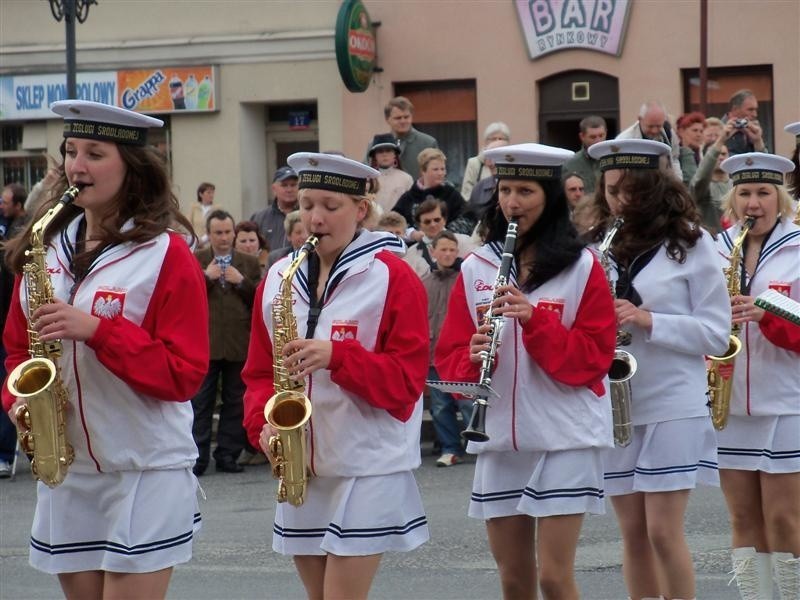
289, 409
42, 420
623, 366
719, 373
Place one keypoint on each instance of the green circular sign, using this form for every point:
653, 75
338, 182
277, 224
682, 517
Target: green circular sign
355, 45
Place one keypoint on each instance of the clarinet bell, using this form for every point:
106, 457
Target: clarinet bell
476, 429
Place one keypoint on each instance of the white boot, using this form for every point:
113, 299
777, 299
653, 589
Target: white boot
764, 570
787, 574
745, 572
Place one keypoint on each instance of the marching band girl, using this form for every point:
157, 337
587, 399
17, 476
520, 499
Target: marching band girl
759, 450
541, 468
672, 299
131, 312
365, 377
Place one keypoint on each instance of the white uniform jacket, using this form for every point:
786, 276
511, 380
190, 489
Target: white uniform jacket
367, 406
551, 373
128, 385
691, 318
766, 376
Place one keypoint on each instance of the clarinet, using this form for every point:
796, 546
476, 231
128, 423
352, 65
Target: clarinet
476, 430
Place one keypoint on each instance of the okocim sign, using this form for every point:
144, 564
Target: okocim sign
355, 45
553, 25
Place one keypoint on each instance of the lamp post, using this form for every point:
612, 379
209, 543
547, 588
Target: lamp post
70, 10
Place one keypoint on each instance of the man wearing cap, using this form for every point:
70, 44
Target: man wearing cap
652, 124
393, 182
399, 114
270, 220
592, 130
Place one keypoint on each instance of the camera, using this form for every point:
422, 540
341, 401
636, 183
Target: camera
740, 123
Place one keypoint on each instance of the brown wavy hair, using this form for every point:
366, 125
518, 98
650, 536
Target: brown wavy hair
660, 210
146, 197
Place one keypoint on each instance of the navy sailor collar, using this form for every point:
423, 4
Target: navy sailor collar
357, 257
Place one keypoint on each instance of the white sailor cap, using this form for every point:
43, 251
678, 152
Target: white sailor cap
93, 120
794, 129
331, 172
628, 154
757, 167
528, 161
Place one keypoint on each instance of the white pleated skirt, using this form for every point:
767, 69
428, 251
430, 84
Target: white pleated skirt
538, 484
353, 516
664, 457
768, 444
123, 522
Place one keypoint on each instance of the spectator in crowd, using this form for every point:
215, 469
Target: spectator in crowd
399, 114
592, 130
250, 241
438, 282
39, 192
12, 204
652, 124
231, 280
430, 218
393, 182
200, 211
270, 220
711, 183
712, 130
496, 134
483, 191
393, 222
8, 433
433, 184
297, 235
690, 133
574, 189
743, 111
793, 178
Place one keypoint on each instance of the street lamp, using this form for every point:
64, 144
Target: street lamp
70, 10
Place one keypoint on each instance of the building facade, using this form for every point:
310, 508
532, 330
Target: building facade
242, 84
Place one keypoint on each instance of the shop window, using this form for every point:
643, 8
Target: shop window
723, 82
447, 110
16, 164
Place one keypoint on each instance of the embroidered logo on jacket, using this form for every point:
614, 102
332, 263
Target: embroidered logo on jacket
554, 304
344, 330
481, 285
782, 287
108, 302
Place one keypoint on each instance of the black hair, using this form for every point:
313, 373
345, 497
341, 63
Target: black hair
553, 237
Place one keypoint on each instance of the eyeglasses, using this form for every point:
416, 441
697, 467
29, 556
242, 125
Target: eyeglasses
431, 220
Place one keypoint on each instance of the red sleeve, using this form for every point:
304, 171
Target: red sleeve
451, 355
257, 373
15, 339
582, 355
781, 332
167, 356
393, 375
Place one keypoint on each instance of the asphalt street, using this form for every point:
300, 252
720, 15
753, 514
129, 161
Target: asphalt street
233, 557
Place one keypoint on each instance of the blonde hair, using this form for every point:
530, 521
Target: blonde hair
427, 155
785, 202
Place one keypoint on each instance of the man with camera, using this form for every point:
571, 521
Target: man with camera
743, 111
